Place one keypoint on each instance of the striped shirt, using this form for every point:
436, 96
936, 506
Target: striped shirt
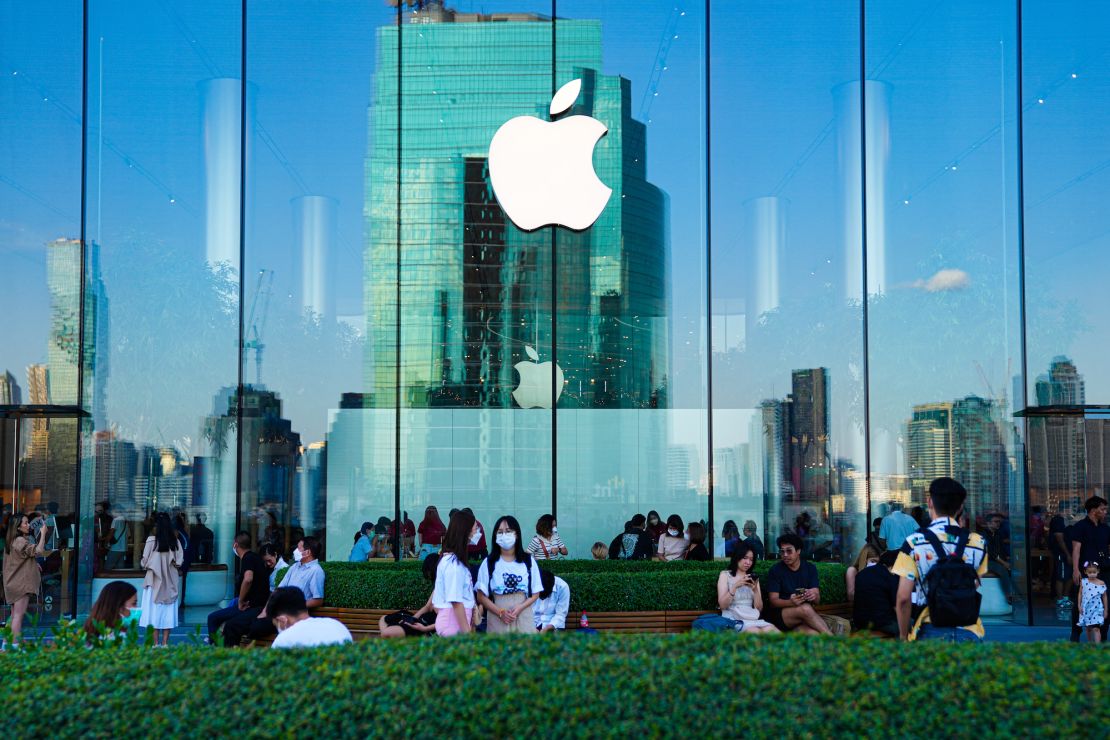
917, 556
553, 545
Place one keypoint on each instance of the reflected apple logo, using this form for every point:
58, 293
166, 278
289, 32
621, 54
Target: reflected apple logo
543, 172
534, 389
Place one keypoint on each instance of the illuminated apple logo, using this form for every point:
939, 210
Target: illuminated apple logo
534, 389
543, 172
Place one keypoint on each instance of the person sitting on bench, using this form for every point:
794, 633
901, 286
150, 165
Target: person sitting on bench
794, 590
289, 613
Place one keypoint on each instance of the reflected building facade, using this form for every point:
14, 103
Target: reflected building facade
474, 292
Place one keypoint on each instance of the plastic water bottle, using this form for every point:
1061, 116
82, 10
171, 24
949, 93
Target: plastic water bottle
583, 621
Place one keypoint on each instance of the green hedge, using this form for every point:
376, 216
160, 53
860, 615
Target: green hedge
595, 586
693, 685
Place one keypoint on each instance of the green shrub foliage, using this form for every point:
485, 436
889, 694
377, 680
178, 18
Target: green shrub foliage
595, 586
568, 685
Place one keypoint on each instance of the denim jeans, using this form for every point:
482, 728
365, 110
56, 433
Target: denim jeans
946, 634
217, 618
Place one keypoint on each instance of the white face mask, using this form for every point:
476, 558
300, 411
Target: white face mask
672, 532
554, 530
476, 537
297, 555
506, 540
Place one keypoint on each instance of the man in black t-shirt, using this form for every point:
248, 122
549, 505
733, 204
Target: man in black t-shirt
634, 543
793, 589
876, 595
1090, 543
252, 591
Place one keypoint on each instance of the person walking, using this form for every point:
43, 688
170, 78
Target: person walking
1090, 543
22, 577
960, 559
162, 559
509, 581
1092, 603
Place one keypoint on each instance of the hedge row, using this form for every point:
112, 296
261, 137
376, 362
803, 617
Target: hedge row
595, 586
569, 685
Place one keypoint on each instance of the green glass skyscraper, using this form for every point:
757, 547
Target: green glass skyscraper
476, 291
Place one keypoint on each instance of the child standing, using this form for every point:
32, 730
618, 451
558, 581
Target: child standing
1092, 602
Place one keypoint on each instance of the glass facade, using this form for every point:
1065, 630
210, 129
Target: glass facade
257, 274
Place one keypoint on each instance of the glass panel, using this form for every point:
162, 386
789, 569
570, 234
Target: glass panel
163, 276
38, 471
787, 278
324, 460
632, 424
1066, 91
942, 270
474, 288
40, 201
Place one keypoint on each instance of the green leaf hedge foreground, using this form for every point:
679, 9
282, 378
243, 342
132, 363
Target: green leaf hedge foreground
567, 685
595, 586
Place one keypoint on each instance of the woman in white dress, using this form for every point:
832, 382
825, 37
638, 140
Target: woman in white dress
162, 559
738, 592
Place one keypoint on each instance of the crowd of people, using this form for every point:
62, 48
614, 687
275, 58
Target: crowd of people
916, 577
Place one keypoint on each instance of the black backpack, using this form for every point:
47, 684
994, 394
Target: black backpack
951, 585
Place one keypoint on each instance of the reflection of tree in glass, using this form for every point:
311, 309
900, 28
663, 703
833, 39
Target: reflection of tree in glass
173, 337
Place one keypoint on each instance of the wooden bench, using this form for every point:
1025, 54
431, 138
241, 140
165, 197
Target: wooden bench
363, 623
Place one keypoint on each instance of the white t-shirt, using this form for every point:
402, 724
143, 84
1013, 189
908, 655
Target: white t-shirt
312, 632
508, 578
453, 584
553, 610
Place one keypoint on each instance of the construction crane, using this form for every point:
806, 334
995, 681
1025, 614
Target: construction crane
257, 322
651, 92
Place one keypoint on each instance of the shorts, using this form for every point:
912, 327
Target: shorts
946, 634
446, 623
397, 619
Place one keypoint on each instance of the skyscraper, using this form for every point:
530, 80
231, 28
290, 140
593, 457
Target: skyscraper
1068, 452
10, 393
476, 291
63, 278
961, 439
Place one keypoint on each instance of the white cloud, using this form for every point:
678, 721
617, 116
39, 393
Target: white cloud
946, 279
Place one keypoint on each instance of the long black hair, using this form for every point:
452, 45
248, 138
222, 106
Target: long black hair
495, 549
165, 538
741, 549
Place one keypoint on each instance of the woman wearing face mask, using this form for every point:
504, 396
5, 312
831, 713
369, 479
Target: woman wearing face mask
114, 611
655, 526
509, 581
547, 545
22, 576
672, 545
453, 594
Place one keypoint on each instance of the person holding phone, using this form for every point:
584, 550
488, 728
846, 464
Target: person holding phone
794, 589
22, 577
422, 622
739, 594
